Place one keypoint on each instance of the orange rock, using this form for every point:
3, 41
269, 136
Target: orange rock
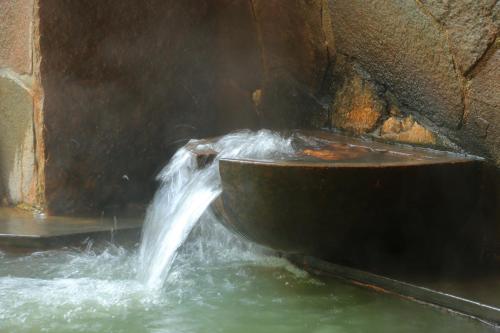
336, 152
391, 125
357, 106
407, 123
418, 134
406, 130
362, 120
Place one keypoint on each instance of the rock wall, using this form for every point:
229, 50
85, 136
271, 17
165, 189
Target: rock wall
16, 24
438, 58
117, 86
425, 72
17, 150
297, 49
102, 92
127, 82
124, 83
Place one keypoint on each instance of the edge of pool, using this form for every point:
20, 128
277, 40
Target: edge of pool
488, 314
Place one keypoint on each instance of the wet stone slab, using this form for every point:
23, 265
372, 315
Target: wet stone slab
20, 229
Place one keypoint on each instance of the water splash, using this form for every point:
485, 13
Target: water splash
187, 191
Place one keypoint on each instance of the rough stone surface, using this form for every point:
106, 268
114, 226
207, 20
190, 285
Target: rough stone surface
237, 66
127, 82
440, 62
481, 130
297, 47
15, 35
406, 130
358, 106
391, 125
17, 156
364, 106
402, 48
293, 39
495, 15
469, 25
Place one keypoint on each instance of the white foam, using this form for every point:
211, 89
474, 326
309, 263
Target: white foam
187, 191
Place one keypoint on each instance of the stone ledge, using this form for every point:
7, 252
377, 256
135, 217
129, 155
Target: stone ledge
20, 229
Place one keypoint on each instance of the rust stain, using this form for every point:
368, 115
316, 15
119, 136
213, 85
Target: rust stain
372, 287
336, 152
38, 121
407, 130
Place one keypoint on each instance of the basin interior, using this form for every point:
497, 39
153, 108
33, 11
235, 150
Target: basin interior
325, 147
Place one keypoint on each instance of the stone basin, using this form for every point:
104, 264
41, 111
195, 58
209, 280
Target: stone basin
357, 202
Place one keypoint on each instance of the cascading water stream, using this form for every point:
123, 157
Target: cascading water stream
187, 191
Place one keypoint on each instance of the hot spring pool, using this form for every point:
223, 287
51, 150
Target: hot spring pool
218, 283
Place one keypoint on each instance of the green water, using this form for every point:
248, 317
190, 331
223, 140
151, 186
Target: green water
216, 285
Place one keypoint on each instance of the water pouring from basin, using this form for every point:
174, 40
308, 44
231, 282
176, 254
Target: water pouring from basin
186, 192
313, 193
